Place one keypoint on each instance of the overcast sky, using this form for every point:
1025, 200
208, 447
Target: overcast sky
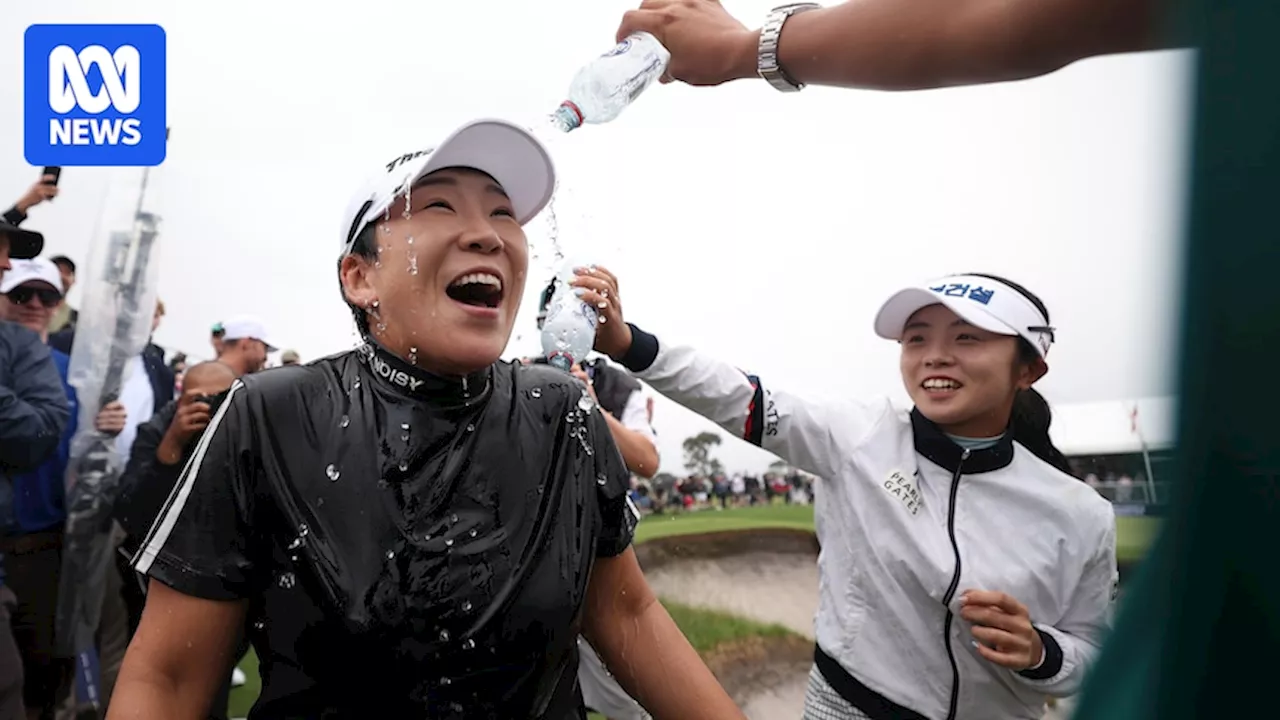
766, 227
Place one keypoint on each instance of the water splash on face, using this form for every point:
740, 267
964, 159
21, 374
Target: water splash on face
413, 263
407, 191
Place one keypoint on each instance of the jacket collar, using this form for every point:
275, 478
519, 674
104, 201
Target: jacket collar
932, 443
392, 372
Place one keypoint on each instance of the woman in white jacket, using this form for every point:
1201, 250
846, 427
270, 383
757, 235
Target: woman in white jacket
964, 574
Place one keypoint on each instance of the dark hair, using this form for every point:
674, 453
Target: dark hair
63, 262
1031, 417
365, 245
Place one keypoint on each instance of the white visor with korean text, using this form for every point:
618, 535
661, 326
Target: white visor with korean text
982, 302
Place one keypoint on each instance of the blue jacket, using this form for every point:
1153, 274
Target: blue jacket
33, 410
40, 496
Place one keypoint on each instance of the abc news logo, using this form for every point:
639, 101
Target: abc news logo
121, 90
94, 95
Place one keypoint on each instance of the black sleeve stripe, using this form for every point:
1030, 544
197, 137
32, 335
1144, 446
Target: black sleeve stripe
754, 430
1052, 664
643, 350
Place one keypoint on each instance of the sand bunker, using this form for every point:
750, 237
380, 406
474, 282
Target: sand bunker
770, 576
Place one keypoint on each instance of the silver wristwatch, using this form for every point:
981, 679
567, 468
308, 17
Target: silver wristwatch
767, 54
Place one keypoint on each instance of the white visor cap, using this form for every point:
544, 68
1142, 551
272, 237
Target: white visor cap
502, 150
982, 302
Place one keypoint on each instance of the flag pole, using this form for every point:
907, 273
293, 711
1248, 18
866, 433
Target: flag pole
1146, 454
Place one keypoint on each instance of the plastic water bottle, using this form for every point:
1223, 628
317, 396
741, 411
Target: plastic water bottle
569, 332
605, 87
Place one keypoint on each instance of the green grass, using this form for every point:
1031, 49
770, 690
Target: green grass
243, 697
798, 517
706, 629
1134, 536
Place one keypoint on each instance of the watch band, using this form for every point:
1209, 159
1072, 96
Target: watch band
767, 64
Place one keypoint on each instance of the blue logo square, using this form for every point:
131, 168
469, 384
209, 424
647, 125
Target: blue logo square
94, 95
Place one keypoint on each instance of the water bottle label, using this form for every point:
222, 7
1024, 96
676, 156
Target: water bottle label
620, 48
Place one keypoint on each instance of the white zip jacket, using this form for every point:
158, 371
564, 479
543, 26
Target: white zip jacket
908, 521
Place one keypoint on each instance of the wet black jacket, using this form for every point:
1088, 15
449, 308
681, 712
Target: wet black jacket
410, 546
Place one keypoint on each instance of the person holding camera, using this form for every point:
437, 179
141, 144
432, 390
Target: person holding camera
161, 449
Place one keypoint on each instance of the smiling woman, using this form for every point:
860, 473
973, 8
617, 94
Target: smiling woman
968, 574
414, 521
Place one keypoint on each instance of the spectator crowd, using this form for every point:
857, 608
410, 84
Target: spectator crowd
163, 403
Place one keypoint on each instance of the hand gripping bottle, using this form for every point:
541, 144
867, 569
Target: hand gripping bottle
606, 86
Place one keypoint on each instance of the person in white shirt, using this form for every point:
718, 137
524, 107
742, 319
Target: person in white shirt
964, 573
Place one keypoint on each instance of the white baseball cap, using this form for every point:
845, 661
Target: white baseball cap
983, 302
22, 272
247, 327
505, 151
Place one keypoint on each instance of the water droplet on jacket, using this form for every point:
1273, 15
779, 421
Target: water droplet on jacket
471, 428
474, 532
404, 437
444, 636
601, 479
332, 472
446, 681
404, 426
356, 386
466, 606
536, 392
469, 644
319, 502
453, 518
404, 465
456, 707
259, 625
585, 403
391, 554
288, 580
465, 391
345, 421
448, 542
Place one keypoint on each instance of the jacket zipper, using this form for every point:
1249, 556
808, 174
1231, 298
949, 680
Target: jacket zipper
951, 590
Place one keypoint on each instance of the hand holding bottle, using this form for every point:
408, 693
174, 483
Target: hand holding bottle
600, 289
708, 46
